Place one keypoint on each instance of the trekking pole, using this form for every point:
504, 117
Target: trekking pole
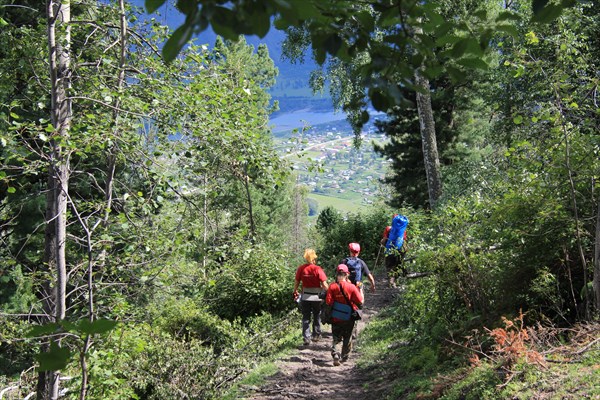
377, 259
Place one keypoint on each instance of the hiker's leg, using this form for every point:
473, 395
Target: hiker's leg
347, 329
391, 262
316, 315
306, 312
336, 343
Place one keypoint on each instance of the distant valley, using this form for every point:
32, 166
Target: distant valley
326, 160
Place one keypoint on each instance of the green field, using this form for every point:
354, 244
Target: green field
342, 205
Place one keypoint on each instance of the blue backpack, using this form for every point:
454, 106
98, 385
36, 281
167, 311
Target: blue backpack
355, 269
397, 234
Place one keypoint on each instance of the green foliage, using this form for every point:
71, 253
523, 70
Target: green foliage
55, 359
255, 280
336, 232
15, 353
182, 318
562, 379
480, 383
342, 31
423, 360
168, 165
328, 219
144, 361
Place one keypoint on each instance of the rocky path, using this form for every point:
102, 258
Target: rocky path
310, 374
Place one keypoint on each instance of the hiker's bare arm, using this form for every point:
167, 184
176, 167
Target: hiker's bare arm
324, 285
372, 280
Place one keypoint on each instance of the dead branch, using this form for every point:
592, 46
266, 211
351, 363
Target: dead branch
587, 347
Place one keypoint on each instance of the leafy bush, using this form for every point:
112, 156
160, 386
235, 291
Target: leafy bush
15, 355
143, 361
252, 281
186, 320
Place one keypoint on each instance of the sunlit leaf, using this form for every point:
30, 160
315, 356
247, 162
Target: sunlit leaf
531, 38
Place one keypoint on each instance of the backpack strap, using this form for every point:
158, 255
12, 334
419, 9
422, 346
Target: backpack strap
344, 294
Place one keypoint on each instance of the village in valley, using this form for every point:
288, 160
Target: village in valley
329, 164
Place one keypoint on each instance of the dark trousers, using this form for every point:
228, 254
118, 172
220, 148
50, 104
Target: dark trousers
394, 263
311, 310
342, 337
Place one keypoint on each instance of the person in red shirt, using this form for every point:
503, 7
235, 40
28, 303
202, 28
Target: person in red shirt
358, 263
313, 280
342, 329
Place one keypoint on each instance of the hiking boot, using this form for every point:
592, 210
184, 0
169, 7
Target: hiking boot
336, 360
316, 338
306, 342
344, 359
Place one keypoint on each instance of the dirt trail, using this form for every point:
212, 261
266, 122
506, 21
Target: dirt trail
310, 373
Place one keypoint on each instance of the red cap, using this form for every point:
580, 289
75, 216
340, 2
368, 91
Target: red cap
342, 268
354, 247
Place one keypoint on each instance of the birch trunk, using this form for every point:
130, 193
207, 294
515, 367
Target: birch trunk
596, 277
59, 38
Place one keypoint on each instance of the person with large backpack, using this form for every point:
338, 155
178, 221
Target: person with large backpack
345, 299
313, 281
357, 268
395, 239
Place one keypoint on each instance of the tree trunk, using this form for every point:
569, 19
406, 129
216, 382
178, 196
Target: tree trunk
428, 138
596, 277
298, 219
246, 182
59, 38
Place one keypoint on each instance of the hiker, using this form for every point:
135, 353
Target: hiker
314, 281
395, 247
358, 268
342, 292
